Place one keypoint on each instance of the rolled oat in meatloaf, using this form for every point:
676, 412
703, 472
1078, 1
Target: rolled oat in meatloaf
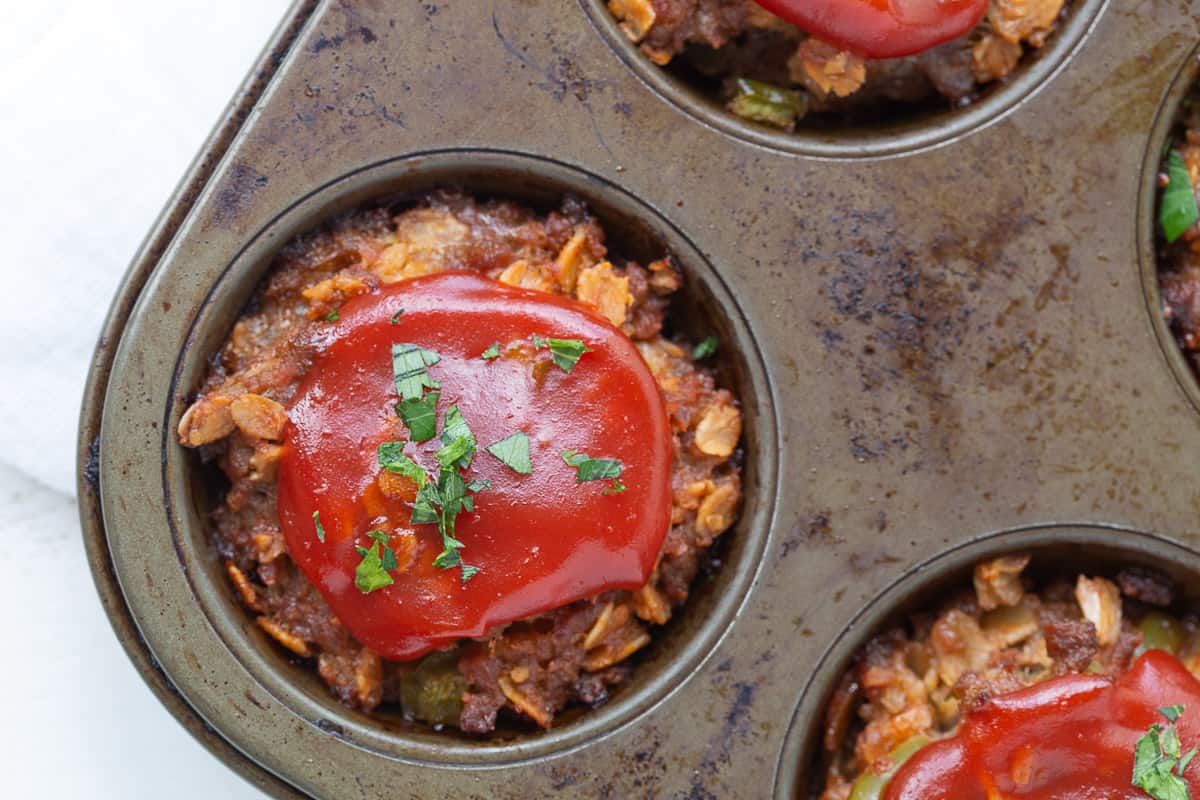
530, 669
917, 683
726, 40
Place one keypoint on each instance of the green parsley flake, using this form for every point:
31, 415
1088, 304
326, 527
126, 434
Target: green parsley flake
377, 561
320, 528
441, 503
450, 454
1178, 210
565, 352
420, 416
615, 488
437, 503
333, 316
391, 457
389, 557
395, 320
454, 427
452, 491
513, 452
408, 370
493, 351
705, 349
425, 505
1157, 763
592, 469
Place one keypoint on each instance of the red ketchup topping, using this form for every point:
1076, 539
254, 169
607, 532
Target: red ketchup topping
1070, 738
881, 28
540, 540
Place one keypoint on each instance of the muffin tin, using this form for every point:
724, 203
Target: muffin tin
945, 335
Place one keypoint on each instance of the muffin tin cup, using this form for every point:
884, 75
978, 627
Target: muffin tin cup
939, 342
923, 131
1087, 549
703, 307
1166, 127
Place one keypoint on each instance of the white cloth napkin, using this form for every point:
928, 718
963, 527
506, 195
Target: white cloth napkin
102, 107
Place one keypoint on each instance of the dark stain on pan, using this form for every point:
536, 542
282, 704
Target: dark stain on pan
91, 467
366, 105
1055, 286
901, 315
563, 76
232, 198
354, 30
719, 749
332, 728
814, 530
254, 701
324, 42
867, 560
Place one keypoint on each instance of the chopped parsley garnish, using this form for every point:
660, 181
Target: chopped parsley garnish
705, 349
513, 452
437, 502
565, 352
395, 320
1157, 764
320, 528
1178, 211
391, 457
452, 492
493, 351
425, 505
420, 416
456, 436
377, 561
449, 558
333, 316
408, 370
573, 458
441, 503
592, 469
616, 488
460, 448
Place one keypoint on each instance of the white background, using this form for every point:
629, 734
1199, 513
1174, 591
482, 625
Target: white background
102, 106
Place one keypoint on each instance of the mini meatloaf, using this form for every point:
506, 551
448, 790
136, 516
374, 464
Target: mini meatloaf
769, 71
1179, 261
1006, 633
531, 669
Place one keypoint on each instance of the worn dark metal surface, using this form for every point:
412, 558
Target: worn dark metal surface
950, 341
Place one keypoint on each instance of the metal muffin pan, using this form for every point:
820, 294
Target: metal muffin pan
956, 339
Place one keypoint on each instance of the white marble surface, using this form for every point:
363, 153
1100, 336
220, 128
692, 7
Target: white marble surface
103, 106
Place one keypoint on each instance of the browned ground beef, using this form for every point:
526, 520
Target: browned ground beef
1005, 634
532, 668
716, 40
